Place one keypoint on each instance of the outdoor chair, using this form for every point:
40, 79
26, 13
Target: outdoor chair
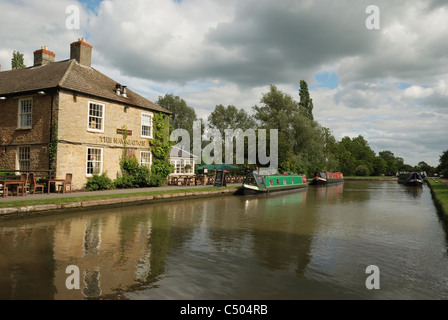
24, 187
66, 183
33, 185
4, 190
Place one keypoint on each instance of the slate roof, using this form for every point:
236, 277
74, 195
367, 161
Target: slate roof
68, 74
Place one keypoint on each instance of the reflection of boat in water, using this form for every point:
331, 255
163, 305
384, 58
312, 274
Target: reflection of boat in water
410, 179
331, 191
325, 178
257, 183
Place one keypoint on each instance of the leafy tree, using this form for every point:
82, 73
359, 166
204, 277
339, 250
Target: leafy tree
391, 164
17, 60
306, 103
330, 150
362, 170
300, 139
230, 118
423, 166
276, 113
360, 151
182, 116
443, 166
379, 166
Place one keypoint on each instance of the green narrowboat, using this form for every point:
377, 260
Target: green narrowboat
257, 183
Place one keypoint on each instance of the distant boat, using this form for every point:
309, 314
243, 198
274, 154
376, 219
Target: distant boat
410, 178
257, 183
324, 178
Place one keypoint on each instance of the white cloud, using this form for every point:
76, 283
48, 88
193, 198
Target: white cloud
417, 92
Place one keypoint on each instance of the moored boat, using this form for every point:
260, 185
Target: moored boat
258, 183
324, 178
410, 178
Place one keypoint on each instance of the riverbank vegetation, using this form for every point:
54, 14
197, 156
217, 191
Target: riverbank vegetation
440, 194
304, 145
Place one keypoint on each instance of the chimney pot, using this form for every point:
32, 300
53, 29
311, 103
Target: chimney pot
81, 51
43, 56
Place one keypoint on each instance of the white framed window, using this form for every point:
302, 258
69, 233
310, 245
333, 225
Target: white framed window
94, 161
23, 158
180, 166
25, 113
146, 125
95, 120
145, 159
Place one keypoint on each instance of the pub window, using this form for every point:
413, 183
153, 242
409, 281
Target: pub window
23, 158
94, 161
96, 117
190, 168
146, 125
25, 113
145, 159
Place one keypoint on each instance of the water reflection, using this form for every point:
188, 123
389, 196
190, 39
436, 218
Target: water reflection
413, 191
312, 243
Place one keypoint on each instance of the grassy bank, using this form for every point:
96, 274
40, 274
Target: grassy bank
22, 203
440, 195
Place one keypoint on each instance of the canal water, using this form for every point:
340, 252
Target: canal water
310, 244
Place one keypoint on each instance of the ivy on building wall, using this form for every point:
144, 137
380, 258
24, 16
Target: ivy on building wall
53, 148
161, 146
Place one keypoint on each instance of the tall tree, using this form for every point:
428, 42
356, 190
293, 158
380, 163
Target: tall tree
391, 164
306, 103
17, 60
443, 166
360, 150
182, 116
230, 118
300, 140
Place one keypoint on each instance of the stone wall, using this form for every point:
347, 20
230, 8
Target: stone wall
37, 137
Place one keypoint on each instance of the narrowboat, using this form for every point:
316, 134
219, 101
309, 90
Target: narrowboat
259, 183
324, 178
410, 179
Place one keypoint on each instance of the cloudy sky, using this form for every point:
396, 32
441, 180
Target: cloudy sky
389, 85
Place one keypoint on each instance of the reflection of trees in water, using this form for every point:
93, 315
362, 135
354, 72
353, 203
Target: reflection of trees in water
265, 226
357, 191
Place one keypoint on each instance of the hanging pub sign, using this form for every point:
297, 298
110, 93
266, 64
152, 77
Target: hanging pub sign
123, 131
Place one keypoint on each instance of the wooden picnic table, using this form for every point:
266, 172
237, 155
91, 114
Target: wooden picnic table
50, 181
12, 182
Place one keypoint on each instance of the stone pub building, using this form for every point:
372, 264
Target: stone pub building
75, 110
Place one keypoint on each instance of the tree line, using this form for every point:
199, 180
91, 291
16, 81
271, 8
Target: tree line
304, 146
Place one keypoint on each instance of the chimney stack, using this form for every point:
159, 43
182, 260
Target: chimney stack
81, 51
43, 56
